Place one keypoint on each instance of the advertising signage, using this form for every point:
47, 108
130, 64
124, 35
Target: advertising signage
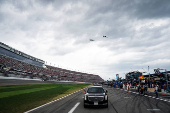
117, 76
141, 77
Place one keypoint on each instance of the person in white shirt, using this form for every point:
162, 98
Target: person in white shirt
156, 90
156, 87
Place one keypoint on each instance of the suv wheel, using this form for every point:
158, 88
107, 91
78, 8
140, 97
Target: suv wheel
85, 106
107, 106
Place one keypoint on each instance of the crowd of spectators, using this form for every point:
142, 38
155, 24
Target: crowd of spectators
141, 88
75, 76
13, 66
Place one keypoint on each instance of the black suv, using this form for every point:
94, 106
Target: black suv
95, 96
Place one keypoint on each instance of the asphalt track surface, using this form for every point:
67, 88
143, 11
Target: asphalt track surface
120, 101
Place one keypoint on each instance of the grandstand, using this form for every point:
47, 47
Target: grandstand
16, 54
18, 64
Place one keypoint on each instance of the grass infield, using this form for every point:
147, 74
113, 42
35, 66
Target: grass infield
21, 98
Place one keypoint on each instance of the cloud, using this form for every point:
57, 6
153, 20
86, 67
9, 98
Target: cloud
59, 31
152, 9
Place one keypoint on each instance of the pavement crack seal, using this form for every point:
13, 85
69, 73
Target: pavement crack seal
113, 107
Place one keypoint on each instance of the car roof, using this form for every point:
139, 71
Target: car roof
95, 86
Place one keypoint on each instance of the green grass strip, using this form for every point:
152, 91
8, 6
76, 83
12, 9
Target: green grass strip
21, 98
19, 92
19, 87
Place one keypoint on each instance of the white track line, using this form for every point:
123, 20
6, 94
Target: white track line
148, 96
71, 111
153, 109
49, 102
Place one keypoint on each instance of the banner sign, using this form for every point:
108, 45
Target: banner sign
156, 78
141, 77
117, 76
142, 81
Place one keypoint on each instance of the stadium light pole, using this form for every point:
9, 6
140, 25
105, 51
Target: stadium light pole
149, 73
149, 77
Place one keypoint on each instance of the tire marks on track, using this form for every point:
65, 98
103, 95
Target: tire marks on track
137, 103
163, 104
113, 107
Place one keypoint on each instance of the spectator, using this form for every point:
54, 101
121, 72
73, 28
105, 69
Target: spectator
164, 87
156, 90
145, 89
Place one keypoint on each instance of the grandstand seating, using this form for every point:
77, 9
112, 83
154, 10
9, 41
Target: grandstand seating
24, 69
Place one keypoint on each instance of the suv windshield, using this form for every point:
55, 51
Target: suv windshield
95, 90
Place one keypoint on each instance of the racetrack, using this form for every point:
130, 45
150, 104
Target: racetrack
119, 102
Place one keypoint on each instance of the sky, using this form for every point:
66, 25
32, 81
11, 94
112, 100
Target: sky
59, 32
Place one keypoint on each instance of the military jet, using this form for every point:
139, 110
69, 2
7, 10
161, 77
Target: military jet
91, 40
103, 36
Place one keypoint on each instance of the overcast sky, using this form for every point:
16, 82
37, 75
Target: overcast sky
59, 32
